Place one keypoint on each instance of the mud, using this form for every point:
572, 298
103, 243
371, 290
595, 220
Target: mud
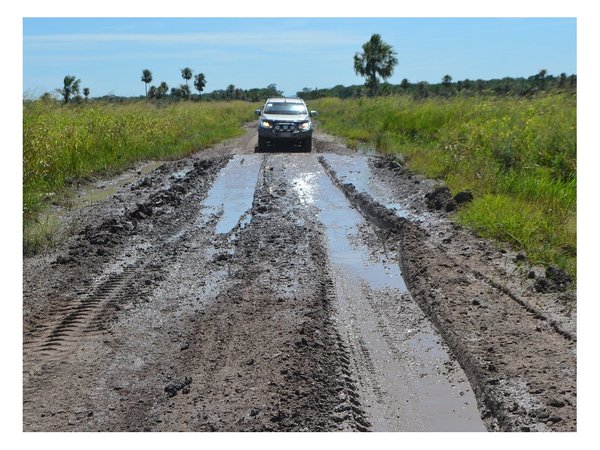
281, 291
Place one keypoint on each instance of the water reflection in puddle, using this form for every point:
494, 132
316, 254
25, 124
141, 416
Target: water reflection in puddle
94, 194
232, 193
355, 169
346, 250
341, 224
399, 358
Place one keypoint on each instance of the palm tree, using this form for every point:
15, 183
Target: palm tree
86, 92
186, 74
563, 80
70, 87
199, 82
541, 77
162, 89
446, 80
146, 78
229, 92
422, 91
376, 60
184, 91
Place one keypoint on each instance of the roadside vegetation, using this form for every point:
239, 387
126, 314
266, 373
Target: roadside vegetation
516, 155
65, 143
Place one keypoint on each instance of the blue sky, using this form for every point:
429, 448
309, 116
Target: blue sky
109, 54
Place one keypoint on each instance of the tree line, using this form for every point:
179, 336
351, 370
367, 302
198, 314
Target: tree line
376, 63
183, 91
378, 59
71, 91
507, 86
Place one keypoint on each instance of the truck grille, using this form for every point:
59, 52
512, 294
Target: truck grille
290, 127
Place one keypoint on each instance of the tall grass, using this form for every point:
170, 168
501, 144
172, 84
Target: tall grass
517, 155
62, 144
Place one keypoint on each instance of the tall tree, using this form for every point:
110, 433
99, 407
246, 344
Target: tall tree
199, 83
186, 74
70, 87
446, 80
562, 80
86, 92
184, 91
422, 89
540, 78
146, 78
163, 88
230, 92
376, 60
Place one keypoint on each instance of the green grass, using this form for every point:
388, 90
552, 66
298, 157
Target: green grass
66, 143
517, 155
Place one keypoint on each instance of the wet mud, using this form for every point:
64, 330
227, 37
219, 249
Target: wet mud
281, 291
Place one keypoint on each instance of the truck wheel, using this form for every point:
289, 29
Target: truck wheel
262, 144
307, 145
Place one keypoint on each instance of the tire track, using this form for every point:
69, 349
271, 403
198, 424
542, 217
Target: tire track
87, 315
506, 347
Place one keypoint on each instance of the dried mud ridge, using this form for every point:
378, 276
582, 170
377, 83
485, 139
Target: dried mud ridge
148, 319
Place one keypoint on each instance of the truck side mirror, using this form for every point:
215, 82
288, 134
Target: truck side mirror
257, 112
313, 113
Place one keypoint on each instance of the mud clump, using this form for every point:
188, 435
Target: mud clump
463, 197
440, 199
389, 163
168, 197
61, 259
178, 385
556, 280
203, 166
142, 211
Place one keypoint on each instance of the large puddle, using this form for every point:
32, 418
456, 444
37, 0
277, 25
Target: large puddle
407, 380
342, 224
231, 195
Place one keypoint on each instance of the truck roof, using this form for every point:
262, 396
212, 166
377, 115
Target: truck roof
285, 100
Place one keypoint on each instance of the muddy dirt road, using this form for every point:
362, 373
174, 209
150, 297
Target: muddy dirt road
243, 291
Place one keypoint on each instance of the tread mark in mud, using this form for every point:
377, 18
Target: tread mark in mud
349, 410
86, 317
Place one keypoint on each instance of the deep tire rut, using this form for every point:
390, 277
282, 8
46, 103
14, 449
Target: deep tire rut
507, 401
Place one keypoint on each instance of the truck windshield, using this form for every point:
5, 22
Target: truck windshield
285, 108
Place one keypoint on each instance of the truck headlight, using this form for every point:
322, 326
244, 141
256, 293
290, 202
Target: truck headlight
304, 126
266, 124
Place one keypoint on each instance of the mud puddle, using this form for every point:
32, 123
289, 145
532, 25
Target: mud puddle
355, 169
407, 380
96, 194
230, 198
